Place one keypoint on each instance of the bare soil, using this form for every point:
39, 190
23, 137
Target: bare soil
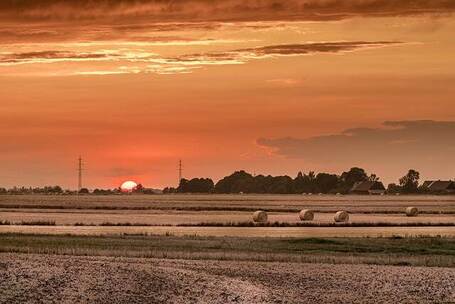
70, 279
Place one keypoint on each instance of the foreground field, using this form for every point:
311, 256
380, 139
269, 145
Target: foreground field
69, 279
421, 251
172, 269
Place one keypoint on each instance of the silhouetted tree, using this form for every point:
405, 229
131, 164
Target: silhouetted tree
138, 189
410, 182
326, 183
304, 183
373, 178
169, 190
196, 185
280, 185
239, 181
393, 188
349, 178
103, 192
84, 191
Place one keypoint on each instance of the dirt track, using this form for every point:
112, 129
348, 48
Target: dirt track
65, 279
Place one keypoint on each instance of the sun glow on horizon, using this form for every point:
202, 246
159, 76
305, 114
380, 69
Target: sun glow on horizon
128, 186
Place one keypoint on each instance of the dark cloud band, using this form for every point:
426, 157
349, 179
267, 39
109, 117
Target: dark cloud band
421, 143
214, 10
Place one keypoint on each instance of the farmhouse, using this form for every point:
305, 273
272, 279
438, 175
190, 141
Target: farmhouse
439, 186
368, 187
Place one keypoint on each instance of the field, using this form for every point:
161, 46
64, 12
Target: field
416, 251
205, 249
74, 279
224, 215
280, 203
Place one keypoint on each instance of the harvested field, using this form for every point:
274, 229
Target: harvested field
296, 232
145, 214
163, 217
294, 203
69, 279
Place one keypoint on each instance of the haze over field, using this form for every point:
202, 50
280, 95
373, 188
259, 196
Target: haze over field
267, 86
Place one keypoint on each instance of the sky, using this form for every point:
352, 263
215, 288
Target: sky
271, 87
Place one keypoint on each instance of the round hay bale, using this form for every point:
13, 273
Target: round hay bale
412, 211
260, 216
306, 215
341, 216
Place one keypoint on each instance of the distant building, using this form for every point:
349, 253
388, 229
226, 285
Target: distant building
439, 186
368, 187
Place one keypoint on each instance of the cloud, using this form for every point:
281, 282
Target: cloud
153, 63
396, 145
241, 56
213, 10
317, 47
50, 57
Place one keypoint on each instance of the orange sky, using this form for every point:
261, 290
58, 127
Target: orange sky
269, 87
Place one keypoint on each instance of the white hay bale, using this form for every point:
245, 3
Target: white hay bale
341, 216
260, 216
306, 215
412, 211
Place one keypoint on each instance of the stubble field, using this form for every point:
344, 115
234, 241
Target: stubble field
223, 215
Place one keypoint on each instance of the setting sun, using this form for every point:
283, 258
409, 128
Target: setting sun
128, 186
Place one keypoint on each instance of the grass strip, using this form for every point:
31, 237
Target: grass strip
412, 251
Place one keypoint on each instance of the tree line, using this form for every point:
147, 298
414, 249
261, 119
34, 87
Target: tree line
244, 182
57, 190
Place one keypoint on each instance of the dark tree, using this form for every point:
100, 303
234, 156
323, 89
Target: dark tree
169, 190
326, 183
196, 185
239, 181
410, 182
280, 185
139, 189
373, 178
84, 191
349, 178
304, 183
393, 189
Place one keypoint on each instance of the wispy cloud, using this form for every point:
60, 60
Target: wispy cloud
241, 56
316, 47
51, 57
150, 62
